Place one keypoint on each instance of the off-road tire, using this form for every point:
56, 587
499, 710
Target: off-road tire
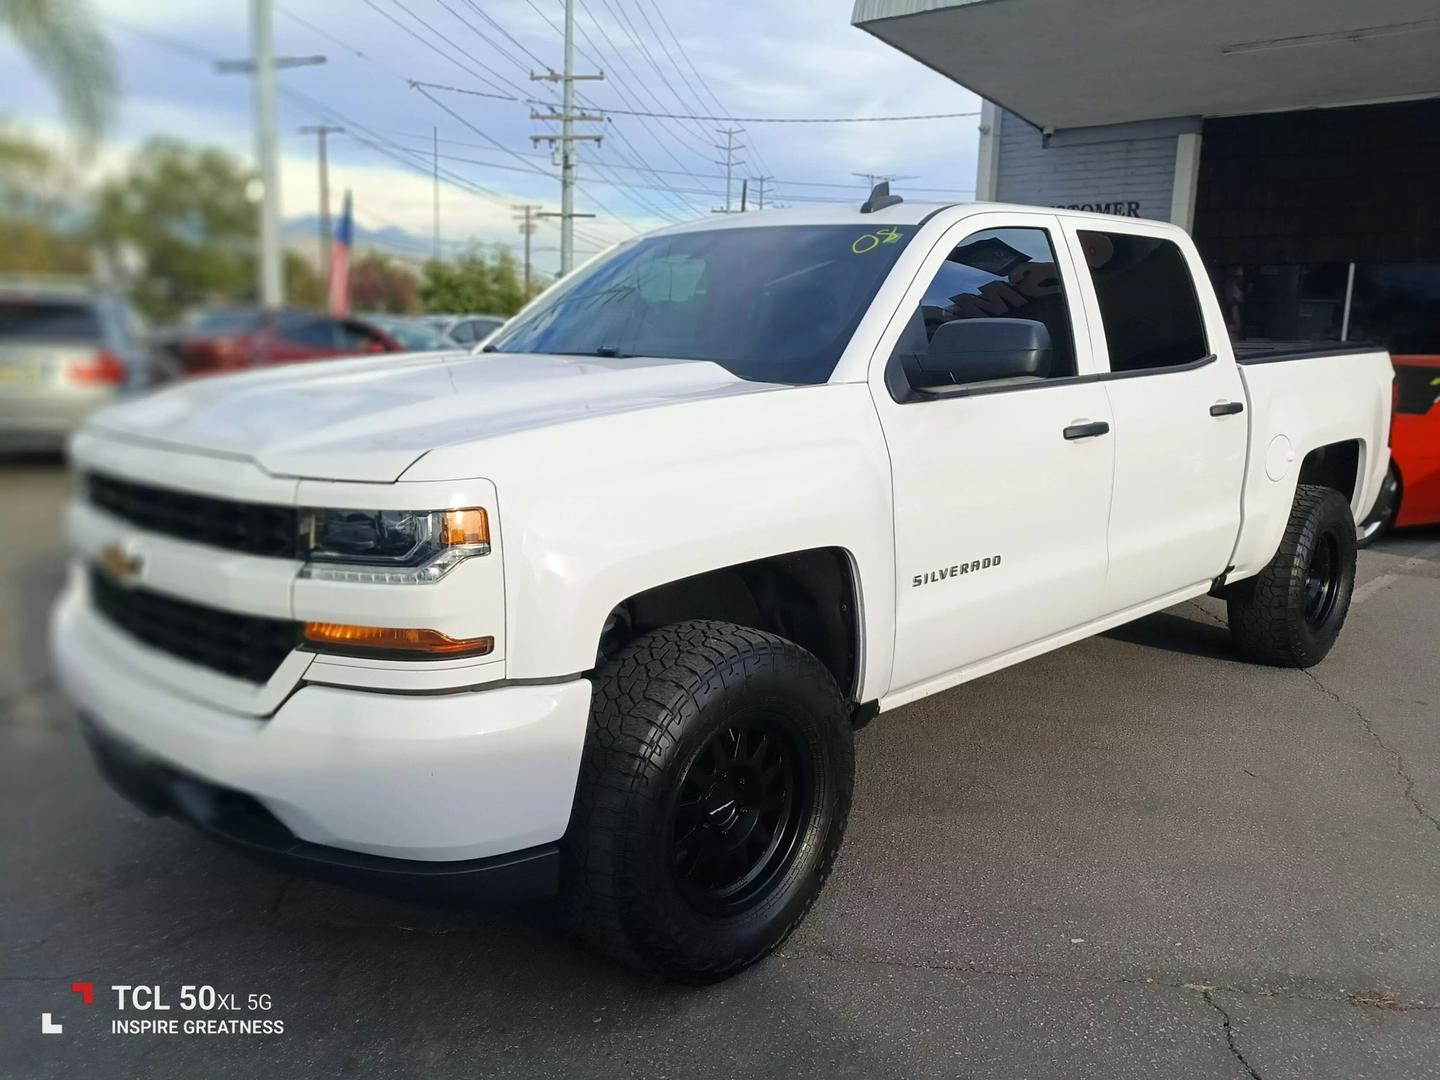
659, 704
1275, 617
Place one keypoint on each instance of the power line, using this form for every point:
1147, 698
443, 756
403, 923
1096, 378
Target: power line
429, 45
665, 143
728, 119
525, 166
842, 185
628, 25
338, 41
518, 44
695, 141
690, 63
463, 51
482, 36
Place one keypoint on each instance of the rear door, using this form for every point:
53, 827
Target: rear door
1179, 419
1001, 490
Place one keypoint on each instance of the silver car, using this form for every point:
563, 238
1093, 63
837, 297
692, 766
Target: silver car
467, 330
65, 350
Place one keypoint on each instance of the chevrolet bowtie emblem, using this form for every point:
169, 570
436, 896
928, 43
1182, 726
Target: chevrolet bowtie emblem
120, 564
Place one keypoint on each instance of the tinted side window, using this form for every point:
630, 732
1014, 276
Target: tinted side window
1147, 301
997, 274
354, 336
463, 332
307, 330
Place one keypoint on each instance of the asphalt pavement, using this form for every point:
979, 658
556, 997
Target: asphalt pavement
1135, 857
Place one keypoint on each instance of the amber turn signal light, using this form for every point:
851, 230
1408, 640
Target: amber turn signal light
464, 527
342, 637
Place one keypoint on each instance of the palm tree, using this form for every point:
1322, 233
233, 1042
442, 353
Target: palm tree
62, 40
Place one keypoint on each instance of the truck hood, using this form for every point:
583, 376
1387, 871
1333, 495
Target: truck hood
370, 419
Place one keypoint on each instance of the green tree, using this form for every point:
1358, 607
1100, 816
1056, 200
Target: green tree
303, 287
61, 39
473, 283
38, 232
185, 210
379, 283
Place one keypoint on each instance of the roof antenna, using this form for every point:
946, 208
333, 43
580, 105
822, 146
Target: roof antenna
880, 198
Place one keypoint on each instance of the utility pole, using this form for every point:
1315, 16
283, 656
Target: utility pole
760, 182
320, 131
262, 47
730, 163
263, 64
527, 230
435, 160
567, 139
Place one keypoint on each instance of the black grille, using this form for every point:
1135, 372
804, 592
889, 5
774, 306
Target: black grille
246, 646
254, 528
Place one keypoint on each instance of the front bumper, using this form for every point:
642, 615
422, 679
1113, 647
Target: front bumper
432, 778
243, 822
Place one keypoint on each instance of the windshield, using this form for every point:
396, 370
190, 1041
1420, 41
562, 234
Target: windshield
773, 304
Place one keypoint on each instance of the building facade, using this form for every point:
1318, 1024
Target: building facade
1298, 140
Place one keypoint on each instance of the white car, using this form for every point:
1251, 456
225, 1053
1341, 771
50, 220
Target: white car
599, 612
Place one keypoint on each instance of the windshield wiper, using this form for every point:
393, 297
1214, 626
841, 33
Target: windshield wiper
609, 352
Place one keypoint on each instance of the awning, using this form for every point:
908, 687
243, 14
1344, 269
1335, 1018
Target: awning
1078, 63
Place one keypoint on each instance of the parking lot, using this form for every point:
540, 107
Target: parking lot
1133, 857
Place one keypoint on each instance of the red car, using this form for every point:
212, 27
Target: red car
1411, 494
234, 340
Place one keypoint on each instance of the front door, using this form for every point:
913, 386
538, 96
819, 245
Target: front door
1002, 491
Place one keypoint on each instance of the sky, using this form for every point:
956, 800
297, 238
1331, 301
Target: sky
733, 58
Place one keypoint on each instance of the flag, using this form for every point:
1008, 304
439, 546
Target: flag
340, 261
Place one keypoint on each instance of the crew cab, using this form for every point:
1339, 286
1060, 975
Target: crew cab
597, 609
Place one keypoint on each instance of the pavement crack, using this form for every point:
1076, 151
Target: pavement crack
1208, 996
1396, 757
1195, 606
280, 894
1376, 999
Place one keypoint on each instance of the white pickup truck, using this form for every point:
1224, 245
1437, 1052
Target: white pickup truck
598, 608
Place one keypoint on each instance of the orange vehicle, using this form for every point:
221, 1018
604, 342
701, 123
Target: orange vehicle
1411, 492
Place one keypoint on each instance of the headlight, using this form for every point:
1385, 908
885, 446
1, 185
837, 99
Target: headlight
408, 547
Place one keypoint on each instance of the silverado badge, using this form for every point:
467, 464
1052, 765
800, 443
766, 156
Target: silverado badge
121, 564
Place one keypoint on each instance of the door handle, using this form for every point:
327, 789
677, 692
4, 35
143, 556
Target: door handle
1227, 408
1086, 429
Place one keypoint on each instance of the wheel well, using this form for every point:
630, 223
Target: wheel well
1335, 465
808, 597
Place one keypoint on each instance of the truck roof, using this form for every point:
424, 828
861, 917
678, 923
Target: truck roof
905, 213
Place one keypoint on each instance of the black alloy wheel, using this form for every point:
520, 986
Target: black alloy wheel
1322, 580
741, 807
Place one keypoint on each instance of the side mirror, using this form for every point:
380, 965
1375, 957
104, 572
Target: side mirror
978, 350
